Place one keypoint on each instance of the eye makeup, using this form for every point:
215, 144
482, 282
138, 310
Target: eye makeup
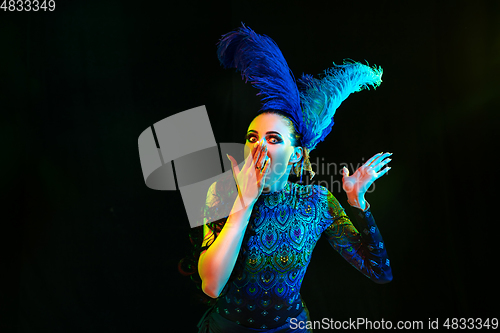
272, 137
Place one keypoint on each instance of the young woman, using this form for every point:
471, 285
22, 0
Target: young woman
253, 261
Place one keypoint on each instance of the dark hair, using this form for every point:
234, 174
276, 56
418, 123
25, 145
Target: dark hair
224, 201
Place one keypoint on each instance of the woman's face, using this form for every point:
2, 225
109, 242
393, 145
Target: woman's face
277, 136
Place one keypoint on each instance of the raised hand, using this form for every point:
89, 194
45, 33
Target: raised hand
250, 179
356, 185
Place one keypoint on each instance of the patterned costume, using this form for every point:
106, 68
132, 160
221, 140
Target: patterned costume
267, 293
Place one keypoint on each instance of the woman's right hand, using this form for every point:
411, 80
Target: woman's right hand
250, 179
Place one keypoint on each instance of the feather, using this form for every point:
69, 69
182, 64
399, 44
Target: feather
321, 97
310, 103
261, 62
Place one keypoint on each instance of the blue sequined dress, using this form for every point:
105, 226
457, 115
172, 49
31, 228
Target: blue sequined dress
285, 227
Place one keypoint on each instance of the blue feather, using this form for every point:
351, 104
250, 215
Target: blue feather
261, 62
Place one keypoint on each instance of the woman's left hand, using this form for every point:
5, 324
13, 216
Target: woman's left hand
357, 184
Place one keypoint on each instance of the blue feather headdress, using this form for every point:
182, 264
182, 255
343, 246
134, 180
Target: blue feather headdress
310, 103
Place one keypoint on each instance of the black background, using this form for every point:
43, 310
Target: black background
88, 247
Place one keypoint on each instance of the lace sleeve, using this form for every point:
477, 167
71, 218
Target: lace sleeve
365, 251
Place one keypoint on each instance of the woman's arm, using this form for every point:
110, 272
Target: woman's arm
217, 262
366, 251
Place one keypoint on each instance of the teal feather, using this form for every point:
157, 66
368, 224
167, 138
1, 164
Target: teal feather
321, 97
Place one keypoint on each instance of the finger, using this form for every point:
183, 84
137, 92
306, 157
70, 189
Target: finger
249, 161
266, 167
260, 154
377, 158
234, 164
255, 148
345, 172
371, 159
262, 170
383, 172
381, 164
236, 170
256, 151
